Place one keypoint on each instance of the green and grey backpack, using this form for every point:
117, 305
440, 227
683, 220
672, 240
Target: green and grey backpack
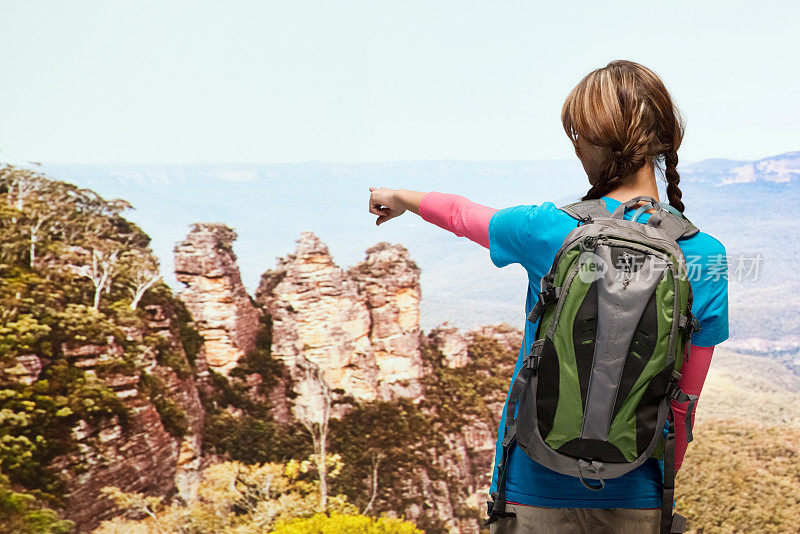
592, 398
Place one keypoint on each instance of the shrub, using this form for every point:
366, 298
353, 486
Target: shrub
21, 513
239, 499
344, 524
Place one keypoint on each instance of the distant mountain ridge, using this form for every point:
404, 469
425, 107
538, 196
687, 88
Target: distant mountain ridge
776, 169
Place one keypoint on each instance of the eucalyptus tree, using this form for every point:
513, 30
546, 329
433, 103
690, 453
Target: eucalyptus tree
140, 272
314, 413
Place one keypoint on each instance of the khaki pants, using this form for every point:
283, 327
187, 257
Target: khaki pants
537, 520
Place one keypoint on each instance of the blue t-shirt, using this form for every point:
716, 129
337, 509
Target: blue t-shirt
531, 236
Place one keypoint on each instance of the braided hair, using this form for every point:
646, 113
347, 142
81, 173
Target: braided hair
625, 110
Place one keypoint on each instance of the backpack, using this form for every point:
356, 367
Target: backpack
592, 398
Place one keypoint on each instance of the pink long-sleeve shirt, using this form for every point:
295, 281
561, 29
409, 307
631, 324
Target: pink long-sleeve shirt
471, 220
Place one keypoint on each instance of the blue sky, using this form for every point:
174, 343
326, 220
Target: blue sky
260, 81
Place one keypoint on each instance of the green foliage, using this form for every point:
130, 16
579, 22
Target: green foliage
46, 310
173, 417
251, 440
87, 396
121, 366
239, 427
35, 422
457, 395
191, 340
238, 424
260, 359
233, 395
21, 513
167, 357
21, 334
344, 524
387, 437
82, 324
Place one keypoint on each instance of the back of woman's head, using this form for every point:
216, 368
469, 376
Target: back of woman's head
626, 113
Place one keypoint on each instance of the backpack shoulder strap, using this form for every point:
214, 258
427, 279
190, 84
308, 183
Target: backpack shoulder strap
675, 224
587, 209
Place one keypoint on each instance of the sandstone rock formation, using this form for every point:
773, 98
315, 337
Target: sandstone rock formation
507, 336
451, 343
319, 317
360, 327
223, 312
185, 391
388, 279
355, 330
118, 394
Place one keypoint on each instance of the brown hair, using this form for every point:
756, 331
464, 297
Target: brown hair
625, 109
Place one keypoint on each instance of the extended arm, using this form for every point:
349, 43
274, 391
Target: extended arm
458, 215
450, 212
693, 375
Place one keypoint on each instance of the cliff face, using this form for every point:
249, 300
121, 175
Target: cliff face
468, 455
223, 312
142, 453
351, 332
359, 327
98, 367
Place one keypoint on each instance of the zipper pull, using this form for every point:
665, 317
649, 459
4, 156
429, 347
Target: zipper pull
588, 243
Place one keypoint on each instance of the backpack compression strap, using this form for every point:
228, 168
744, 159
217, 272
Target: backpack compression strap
497, 506
670, 522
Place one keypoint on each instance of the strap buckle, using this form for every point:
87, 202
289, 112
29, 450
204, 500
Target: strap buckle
496, 510
532, 362
677, 394
689, 324
549, 295
672, 386
511, 433
534, 356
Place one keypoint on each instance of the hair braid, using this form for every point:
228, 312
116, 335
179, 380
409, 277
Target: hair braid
629, 159
603, 187
673, 179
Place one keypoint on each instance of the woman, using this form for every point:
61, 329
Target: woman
623, 124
